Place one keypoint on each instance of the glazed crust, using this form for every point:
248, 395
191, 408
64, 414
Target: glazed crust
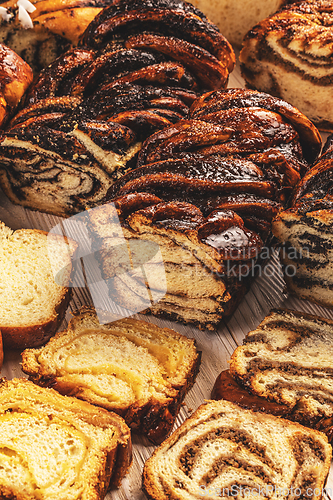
15, 78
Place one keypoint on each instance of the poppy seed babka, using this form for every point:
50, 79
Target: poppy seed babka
304, 232
289, 55
134, 368
223, 450
205, 190
138, 68
288, 360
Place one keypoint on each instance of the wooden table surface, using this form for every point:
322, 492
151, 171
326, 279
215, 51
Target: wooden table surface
267, 292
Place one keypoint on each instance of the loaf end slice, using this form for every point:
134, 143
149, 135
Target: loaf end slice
33, 302
224, 450
288, 359
58, 448
131, 367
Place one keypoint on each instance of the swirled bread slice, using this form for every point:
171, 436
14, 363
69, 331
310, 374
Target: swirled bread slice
58, 448
305, 234
129, 366
224, 450
288, 359
289, 55
32, 302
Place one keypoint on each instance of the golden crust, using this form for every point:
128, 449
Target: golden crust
15, 78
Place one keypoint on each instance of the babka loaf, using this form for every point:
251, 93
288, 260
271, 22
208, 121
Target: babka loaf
205, 191
289, 55
288, 360
131, 367
58, 448
236, 17
139, 67
49, 29
32, 302
305, 234
223, 450
15, 78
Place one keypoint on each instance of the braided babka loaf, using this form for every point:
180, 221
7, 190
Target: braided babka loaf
305, 233
141, 64
206, 190
287, 361
223, 450
289, 55
54, 26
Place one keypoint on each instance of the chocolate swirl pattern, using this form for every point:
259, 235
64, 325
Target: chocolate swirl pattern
206, 190
305, 234
223, 448
288, 360
138, 69
289, 55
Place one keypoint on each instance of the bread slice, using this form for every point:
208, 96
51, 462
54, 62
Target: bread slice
134, 368
289, 359
289, 55
33, 298
236, 17
223, 450
58, 448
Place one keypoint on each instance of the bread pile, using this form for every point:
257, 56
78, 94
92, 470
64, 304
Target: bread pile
138, 69
289, 55
49, 29
206, 190
16, 77
305, 234
285, 365
223, 450
32, 302
136, 369
58, 448
236, 17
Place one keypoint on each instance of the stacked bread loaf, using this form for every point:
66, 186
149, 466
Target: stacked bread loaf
305, 233
205, 190
289, 55
139, 68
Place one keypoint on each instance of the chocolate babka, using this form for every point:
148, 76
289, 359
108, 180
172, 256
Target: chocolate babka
305, 234
139, 67
289, 55
205, 190
225, 451
286, 366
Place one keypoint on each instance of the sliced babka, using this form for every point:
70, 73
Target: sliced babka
223, 450
305, 234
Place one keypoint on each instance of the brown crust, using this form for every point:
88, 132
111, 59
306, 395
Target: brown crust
36, 335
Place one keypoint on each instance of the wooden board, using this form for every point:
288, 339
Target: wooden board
267, 291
